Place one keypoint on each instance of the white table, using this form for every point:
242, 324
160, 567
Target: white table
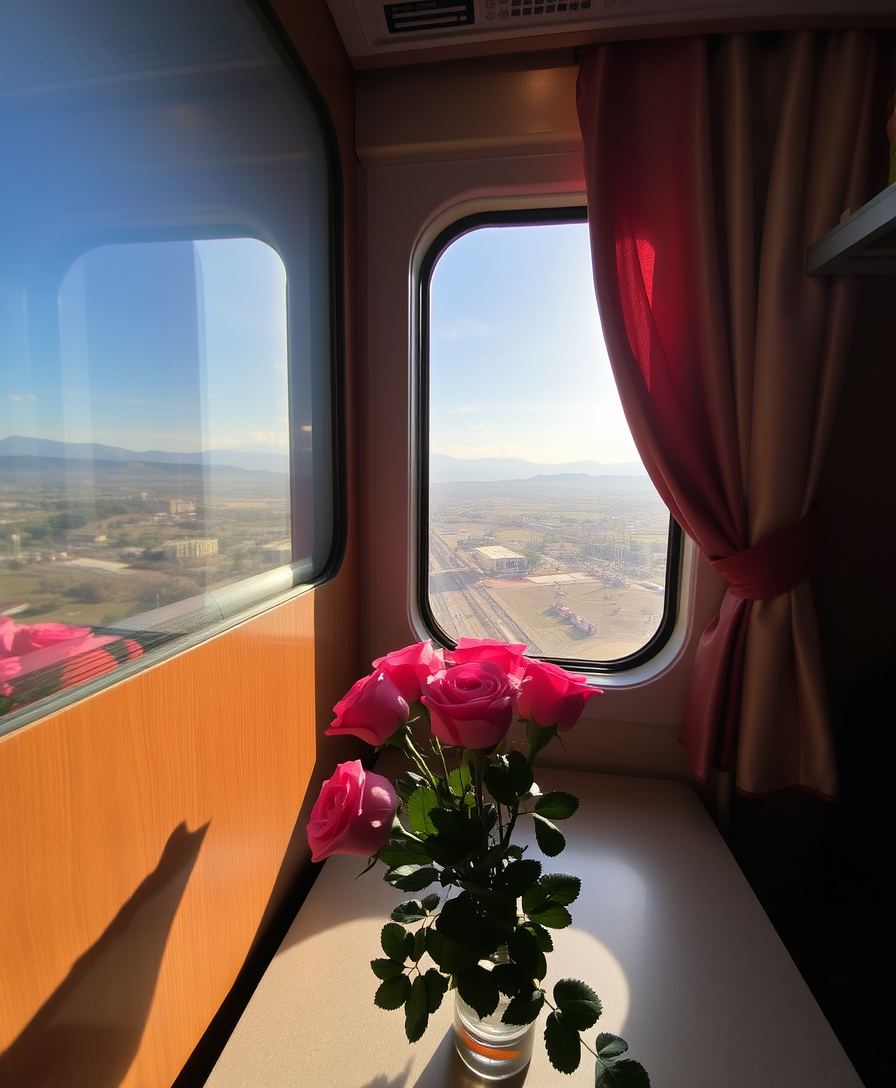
666, 930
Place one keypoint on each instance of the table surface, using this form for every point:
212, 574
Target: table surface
667, 931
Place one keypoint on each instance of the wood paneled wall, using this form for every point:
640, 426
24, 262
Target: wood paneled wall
147, 832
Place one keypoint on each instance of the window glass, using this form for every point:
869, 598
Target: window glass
165, 347
543, 525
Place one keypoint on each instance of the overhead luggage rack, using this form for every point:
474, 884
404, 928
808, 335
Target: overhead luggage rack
862, 242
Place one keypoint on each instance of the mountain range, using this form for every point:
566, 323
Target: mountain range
18, 446
444, 469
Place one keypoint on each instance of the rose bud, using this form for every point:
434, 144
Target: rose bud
410, 668
373, 710
506, 655
551, 696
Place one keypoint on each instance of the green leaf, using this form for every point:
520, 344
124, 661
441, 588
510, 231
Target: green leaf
444, 852
459, 831
409, 912
436, 988
457, 917
386, 968
578, 1002
449, 876
411, 878
431, 901
409, 782
537, 737
498, 906
399, 851
419, 945
519, 876
449, 823
561, 887
524, 1008
479, 989
416, 1013
551, 914
520, 773
452, 957
544, 939
545, 910
609, 1046
557, 805
562, 1042
549, 839
511, 979
500, 785
397, 943
523, 948
460, 781
533, 897
624, 1074
420, 804
393, 993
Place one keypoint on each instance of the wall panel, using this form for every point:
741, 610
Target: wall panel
149, 833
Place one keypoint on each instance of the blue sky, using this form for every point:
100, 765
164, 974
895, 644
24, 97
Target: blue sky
518, 362
171, 346
182, 346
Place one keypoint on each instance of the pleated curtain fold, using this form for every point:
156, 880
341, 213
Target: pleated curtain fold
711, 164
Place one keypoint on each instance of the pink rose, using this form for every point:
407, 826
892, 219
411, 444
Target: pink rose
471, 706
373, 710
353, 813
83, 655
506, 655
551, 696
410, 668
27, 639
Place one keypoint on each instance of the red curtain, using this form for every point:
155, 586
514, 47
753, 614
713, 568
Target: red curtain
710, 166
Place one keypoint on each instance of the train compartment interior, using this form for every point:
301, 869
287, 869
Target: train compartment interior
153, 853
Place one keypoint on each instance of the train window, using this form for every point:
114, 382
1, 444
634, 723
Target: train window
543, 526
167, 244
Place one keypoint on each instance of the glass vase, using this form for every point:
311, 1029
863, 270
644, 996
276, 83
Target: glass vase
491, 1049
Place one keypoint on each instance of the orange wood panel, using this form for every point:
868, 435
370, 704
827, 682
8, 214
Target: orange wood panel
167, 801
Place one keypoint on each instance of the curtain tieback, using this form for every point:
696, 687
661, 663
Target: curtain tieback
774, 565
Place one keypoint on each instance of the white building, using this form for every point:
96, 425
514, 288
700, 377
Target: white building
190, 549
498, 560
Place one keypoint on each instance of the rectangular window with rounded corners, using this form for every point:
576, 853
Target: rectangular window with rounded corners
543, 526
168, 328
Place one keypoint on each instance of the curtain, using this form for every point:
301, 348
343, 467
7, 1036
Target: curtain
710, 165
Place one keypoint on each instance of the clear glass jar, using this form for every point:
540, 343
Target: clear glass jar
491, 1049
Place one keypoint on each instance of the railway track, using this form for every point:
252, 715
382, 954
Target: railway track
462, 605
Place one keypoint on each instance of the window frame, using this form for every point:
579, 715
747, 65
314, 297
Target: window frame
229, 605
420, 406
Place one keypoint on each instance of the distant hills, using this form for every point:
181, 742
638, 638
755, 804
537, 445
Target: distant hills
444, 470
56, 454
32, 453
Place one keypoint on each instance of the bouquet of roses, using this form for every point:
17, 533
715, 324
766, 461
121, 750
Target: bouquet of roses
449, 822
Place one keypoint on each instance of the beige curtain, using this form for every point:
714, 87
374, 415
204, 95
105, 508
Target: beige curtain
722, 159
